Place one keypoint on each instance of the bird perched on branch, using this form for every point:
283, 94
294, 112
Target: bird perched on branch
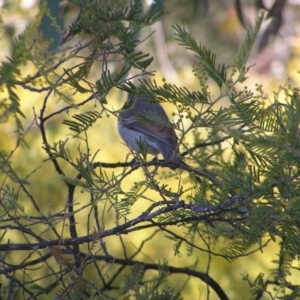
144, 121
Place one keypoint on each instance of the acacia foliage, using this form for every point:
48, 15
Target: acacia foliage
245, 153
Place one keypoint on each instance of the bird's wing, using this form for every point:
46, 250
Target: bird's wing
164, 134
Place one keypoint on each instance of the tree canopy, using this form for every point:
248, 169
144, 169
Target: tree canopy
78, 223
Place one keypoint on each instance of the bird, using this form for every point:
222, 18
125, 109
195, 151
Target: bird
134, 129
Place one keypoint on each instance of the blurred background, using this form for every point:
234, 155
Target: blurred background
220, 26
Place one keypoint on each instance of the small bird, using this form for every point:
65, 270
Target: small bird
158, 138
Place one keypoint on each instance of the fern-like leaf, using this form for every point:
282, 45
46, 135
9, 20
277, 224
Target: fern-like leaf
133, 280
207, 59
242, 56
171, 91
84, 121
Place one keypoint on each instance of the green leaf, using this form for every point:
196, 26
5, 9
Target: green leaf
84, 121
242, 56
133, 280
207, 59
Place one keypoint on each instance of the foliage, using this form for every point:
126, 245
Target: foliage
242, 193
